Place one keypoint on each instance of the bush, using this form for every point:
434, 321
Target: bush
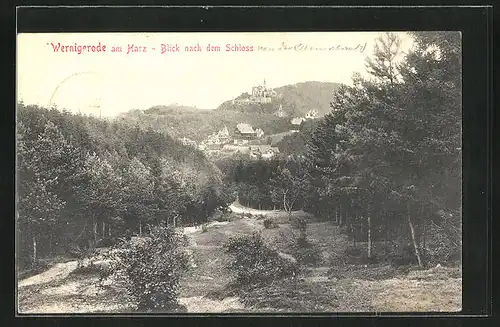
106, 242
403, 255
89, 269
441, 247
307, 253
227, 216
355, 255
151, 268
270, 223
301, 225
255, 262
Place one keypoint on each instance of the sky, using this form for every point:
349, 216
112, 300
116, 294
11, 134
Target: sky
114, 82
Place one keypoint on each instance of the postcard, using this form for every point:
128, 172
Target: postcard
277, 172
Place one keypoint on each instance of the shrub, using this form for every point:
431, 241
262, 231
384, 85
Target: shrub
301, 225
403, 255
270, 223
91, 268
106, 242
150, 268
307, 253
355, 255
441, 247
260, 217
255, 262
224, 217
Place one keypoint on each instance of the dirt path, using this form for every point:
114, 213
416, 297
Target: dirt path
279, 215
54, 274
238, 208
208, 272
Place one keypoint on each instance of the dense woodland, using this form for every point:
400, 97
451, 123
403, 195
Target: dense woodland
82, 179
384, 164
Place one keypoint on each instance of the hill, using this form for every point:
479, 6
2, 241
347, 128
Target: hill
197, 124
296, 100
184, 121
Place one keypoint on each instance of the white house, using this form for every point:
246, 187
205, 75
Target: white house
312, 114
269, 153
297, 120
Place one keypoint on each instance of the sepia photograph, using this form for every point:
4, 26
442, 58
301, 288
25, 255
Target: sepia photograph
257, 172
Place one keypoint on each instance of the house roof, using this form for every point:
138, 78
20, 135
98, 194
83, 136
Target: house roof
245, 128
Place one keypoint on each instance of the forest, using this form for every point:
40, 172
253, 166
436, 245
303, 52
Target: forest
82, 180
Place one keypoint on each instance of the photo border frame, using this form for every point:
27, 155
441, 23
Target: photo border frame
475, 23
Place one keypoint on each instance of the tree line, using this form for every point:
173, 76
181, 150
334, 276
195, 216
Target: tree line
81, 180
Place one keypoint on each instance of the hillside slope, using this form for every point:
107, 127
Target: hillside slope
198, 124
296, 99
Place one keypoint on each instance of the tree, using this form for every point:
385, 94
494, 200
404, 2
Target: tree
393, 139
138, 190
287, 186
104, 196
38, 206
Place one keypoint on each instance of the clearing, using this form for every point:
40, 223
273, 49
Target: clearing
331, 286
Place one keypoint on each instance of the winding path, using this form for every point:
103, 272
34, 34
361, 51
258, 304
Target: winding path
236, 207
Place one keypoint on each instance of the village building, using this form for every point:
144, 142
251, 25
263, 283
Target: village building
245, 131
255, 155
268, 154
280, 112
223, 135
312, 114
264, 151
220, 137
235, 149
188, 142
240, 142
213, 146
297, 121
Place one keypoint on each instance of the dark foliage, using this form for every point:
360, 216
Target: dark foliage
255, 262
151, 268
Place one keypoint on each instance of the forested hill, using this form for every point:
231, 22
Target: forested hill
77, 172
296, 99
184, 121
197, 124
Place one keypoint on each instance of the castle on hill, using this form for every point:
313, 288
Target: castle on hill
260, 94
